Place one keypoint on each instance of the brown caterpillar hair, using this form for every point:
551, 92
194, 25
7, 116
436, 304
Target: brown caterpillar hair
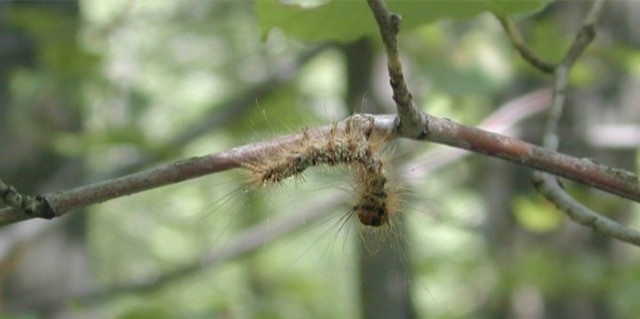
348, 146
353, 146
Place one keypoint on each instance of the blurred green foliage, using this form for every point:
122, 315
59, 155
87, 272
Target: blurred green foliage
349, 20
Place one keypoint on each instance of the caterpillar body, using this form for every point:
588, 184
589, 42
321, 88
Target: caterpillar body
354, 147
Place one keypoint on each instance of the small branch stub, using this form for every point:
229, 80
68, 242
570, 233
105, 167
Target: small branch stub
32, 206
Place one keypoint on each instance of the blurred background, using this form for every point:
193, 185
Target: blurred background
91, 90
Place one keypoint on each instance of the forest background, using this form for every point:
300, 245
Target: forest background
96, 89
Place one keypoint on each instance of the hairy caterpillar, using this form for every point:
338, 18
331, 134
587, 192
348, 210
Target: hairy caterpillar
355, 147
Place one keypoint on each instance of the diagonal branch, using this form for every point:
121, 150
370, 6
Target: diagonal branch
518, 42
548, 184
411, 119
562, 71
551, 189
408, 112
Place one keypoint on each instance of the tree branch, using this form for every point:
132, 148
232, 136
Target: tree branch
498, 146
547, 184
562, 71
440, 130
549, 187
411, 119
62, 202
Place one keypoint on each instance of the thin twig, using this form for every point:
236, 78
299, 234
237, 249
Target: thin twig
586, 34
547, 184
562, 71
411, 119
518, 42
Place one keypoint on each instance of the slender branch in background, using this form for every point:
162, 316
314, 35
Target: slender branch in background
586, 34
411, 119
518, 42
546, 183
561, 73
549, 187
389, 26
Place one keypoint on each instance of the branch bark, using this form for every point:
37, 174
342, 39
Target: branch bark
547, 184
411, 119
443, 131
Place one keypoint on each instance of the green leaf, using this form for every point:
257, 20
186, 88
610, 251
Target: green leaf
336, 20
349, 20
416, 13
